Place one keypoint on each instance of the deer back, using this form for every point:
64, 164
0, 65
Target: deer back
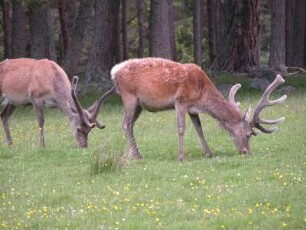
23, 79
158, 83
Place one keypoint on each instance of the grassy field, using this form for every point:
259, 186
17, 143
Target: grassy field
63, 187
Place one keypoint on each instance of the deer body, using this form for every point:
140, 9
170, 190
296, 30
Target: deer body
25, 81
22, 80
157, 84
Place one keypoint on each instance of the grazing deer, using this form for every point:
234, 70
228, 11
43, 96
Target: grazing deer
25, 81
157, 84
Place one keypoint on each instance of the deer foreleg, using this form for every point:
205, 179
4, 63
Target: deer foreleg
132, 112
5, 114
197, 124
38, 107
181, 115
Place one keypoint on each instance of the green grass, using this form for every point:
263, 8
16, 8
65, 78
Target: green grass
63, 187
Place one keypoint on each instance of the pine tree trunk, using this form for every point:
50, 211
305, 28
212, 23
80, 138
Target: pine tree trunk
304, 40
212, 15
103, 51
72, 11
140, 18
124, 30
41, 35
299, 34
160, 40
19, 42
197, 32
223, 21
6, 25
64, 24
241, 50
277, 41
289, 36
172, 29
78, 33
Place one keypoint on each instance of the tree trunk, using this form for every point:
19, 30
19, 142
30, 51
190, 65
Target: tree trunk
75, 51
19, 41
289, 37
103, 51
140, 18
72, 9
160, 41
241, 51
304, 40
212, 14
41, 39
124, 30
172, 29
277, 41
6, 25
299, 34
197, 32
223, 25
64, 24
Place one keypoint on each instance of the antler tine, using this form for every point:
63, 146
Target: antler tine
264, 102
265, 130
271, 122
74, 84
232, 93
94, 109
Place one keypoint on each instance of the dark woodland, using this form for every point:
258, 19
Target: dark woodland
87, 37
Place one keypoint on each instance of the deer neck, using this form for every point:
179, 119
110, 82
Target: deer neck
220, 109
69, 109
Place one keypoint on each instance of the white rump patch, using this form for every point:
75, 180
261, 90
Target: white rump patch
118, 67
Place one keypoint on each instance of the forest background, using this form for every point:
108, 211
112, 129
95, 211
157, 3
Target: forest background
87, 37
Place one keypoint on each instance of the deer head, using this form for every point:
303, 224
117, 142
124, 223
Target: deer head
87, 117
245, 129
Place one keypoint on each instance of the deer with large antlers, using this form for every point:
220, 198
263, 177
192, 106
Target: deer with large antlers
157, 84
25, 81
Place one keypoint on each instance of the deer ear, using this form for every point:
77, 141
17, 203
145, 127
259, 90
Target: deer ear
247, 115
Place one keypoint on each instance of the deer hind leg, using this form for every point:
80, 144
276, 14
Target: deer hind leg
181, 124
197, 124
132, 112
5, 114
38, 107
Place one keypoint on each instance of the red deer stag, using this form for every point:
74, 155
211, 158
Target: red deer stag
157, 84
25, 81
